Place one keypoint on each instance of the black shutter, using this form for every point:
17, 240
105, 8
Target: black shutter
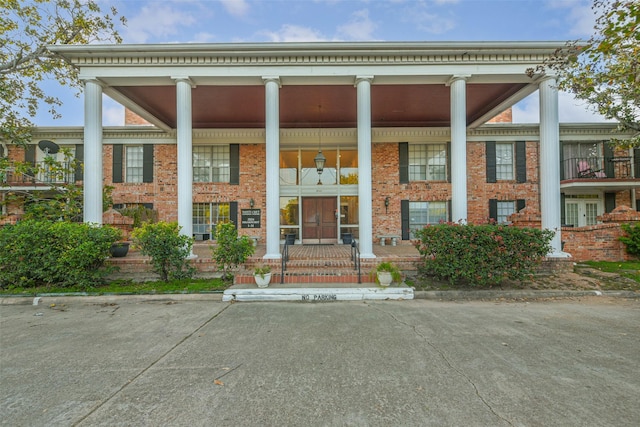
563, 216
491, 161
30, 157
404, 215
449, 211
608, 164
636, 162
609, 202
493, 209
233, 213
147, 163
562, 165
79, 162
234, 164
117, 164
449, 161
403, 157
520, 204
521, 161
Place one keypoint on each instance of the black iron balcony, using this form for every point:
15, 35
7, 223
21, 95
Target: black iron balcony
597, 168
41, 174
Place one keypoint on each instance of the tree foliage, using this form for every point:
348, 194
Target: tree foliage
27, 27
604, 70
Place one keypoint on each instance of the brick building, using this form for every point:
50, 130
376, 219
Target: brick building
408, 134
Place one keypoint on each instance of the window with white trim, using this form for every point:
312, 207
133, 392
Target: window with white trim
134, 161
425, 213
504, 161
211, 163
504, 209
427, 162
207, 215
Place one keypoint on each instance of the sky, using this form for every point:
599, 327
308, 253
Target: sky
222, 21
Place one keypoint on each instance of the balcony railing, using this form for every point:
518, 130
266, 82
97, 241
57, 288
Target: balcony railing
598, 168
42, 173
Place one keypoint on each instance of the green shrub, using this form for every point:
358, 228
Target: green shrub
62, 254
230, 250
167, 248
482, 254
632, 239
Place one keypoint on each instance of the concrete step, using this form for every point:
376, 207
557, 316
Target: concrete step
316, 292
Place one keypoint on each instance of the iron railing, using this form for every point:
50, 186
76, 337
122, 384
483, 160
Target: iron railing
284, 259
355, 258
598, 168
42, 173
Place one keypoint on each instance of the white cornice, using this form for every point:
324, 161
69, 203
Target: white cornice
498, 131
333, 53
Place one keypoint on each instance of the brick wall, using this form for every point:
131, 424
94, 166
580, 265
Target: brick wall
131, 118
386, 177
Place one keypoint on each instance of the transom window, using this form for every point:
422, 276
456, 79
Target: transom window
422, 214
211, 163
427, 162
504, 161
134, 160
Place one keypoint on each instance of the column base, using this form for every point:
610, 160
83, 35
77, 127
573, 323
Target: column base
272, 256
367, 256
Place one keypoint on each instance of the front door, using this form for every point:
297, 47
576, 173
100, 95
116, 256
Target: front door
319, 222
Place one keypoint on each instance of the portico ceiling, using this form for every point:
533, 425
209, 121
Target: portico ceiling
319, 105
409, 80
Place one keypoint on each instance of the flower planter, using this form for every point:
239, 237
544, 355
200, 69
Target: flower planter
262, 280
385, 278
119, 249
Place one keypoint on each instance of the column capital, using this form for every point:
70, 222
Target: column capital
456, 77
545, 77
93, 80
363, 79
275, 79
185, 79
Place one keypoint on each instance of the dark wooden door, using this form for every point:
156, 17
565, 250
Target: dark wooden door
319, 222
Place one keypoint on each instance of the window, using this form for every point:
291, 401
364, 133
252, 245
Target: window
504, 209
427, 162
582, 209
207, 215
504, 161
211, 163
425, 213
134, 162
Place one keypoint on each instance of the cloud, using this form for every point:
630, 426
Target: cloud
425, 20
237, 8
570, 110
360, 27
156, 22
580, 19
112, 112
294, 33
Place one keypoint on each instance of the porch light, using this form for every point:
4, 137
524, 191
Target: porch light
320, 159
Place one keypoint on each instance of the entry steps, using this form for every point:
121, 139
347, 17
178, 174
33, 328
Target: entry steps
316, 292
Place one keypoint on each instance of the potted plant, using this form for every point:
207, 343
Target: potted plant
387, 272
119, 249
262, 275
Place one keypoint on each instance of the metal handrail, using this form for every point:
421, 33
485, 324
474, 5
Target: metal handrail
597, 168
284, 258
355, 258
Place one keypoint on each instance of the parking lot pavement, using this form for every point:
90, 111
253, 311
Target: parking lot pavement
202, 363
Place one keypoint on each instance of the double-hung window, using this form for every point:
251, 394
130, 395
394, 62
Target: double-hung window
427, 162
211, 163
504, 161
134, 161
207, 215
504, 209
422, 214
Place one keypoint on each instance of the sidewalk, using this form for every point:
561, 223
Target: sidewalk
130, 361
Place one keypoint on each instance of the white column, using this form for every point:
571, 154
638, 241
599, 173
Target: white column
459, 149
550, 164
184, 136
93, 152
272, 135
365, 209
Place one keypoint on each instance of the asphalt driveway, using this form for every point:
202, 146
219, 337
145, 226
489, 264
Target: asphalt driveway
92, 361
